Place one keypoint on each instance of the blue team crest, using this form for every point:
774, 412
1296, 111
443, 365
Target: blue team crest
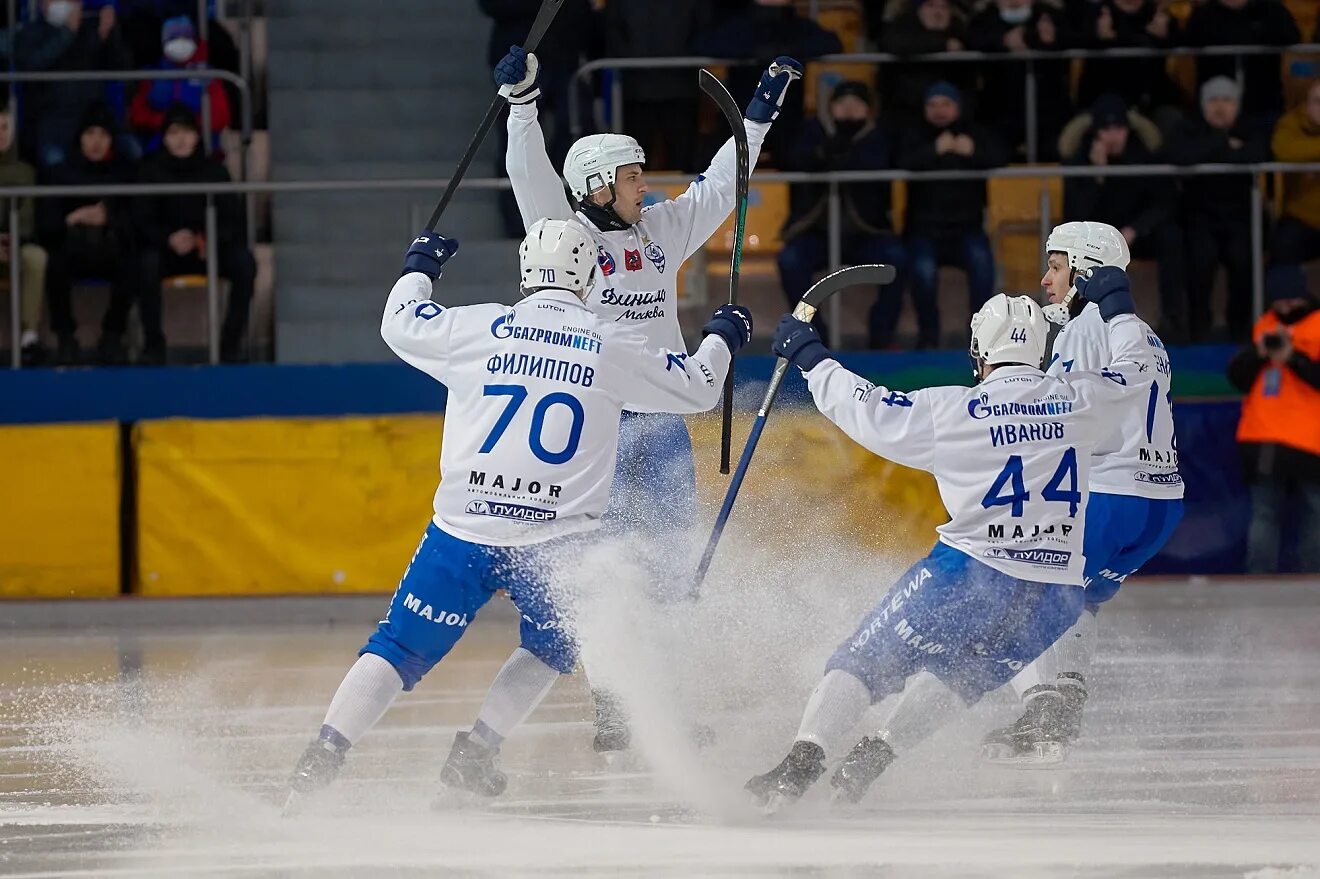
606, 262
655, 255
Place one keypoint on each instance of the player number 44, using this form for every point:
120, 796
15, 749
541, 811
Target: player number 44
1010, 490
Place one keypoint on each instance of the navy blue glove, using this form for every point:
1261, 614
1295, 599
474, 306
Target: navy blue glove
1109, 288
799, 342
733, 324
770, 90
428, 254
518, 75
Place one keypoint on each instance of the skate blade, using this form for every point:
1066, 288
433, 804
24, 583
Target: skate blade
1043, 755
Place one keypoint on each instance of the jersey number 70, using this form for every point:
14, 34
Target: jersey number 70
517, 395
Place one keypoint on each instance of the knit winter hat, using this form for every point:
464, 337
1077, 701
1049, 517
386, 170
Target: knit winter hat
178, 28
1219, 87
98, 115
1285, 282
944, 89
854, 88
179, 114
1109, 109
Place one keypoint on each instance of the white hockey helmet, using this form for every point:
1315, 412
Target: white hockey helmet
557, 253
1008, 329
1086, 244
1089, 244
594, 161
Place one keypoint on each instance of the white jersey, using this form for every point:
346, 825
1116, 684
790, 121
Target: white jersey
1140, 457
1011, 456
637, 281
535, 392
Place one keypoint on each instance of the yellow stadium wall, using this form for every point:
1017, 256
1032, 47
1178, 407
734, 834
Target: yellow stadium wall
337, 505
59, 521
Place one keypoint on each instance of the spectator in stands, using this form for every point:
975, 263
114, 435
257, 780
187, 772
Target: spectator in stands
63, 38
173, 228
1245, 23
1143, 83
928, 26
945, 222
1279, 433
1142, 208
90, 237
31, 256
180, 50
849, 140
1297, 139
142, 21
659, 106
1216, 209
573, 35
763, 30
1016, 26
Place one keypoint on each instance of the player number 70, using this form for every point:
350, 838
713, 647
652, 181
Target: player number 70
517, 395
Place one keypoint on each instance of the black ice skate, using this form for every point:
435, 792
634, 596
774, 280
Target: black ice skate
612, 732
318, 766
471, 768
1073, 687
1041, 735
790, 779
862, 766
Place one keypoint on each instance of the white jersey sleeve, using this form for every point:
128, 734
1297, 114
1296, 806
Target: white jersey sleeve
1139, 457
892, 424
536, 184
416, 328
682, 225
661, 380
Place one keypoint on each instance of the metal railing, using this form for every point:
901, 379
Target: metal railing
833, 180
1029, 58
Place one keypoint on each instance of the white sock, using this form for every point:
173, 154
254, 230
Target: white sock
514, 694
1071, 654
1027, 678
366, 693
925, 706
836, 705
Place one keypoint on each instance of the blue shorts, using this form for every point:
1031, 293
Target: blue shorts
445, 585
1122, 534
655, 484
971, 626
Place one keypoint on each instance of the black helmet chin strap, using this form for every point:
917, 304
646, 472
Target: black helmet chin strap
605, 218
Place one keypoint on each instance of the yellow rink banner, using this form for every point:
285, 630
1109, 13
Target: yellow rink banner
251, 506
256, 506
59, 521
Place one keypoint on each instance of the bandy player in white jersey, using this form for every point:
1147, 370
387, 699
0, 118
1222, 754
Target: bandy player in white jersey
1135, 503
641, 251
530, 437
1011, 458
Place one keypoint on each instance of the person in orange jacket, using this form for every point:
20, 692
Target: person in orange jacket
1279, 432
1297, 139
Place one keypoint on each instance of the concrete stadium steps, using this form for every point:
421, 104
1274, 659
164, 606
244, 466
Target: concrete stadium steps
385, 93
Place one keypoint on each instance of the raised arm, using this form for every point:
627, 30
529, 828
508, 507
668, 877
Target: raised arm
536, 184
414, 327
651, 380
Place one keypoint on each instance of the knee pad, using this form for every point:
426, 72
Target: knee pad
411, 667
551, 645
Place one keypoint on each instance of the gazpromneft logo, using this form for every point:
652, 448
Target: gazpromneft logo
501, 510
980, 407
1046, 558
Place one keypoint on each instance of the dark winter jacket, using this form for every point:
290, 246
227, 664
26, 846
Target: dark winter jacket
15, 172
1275, 459
904, 84
865, 206
1260, 22
1003, 82
634, 30
947, 207
40, 45
1141, 82
574, 32
78, 171
1144, 203
1224, 196
161, 216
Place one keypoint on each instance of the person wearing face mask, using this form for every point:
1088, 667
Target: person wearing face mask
850, 140
1279, 433
1014, 26
63, 38
927, 27
179, 49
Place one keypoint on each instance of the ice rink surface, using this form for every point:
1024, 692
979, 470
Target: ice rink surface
134, 750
